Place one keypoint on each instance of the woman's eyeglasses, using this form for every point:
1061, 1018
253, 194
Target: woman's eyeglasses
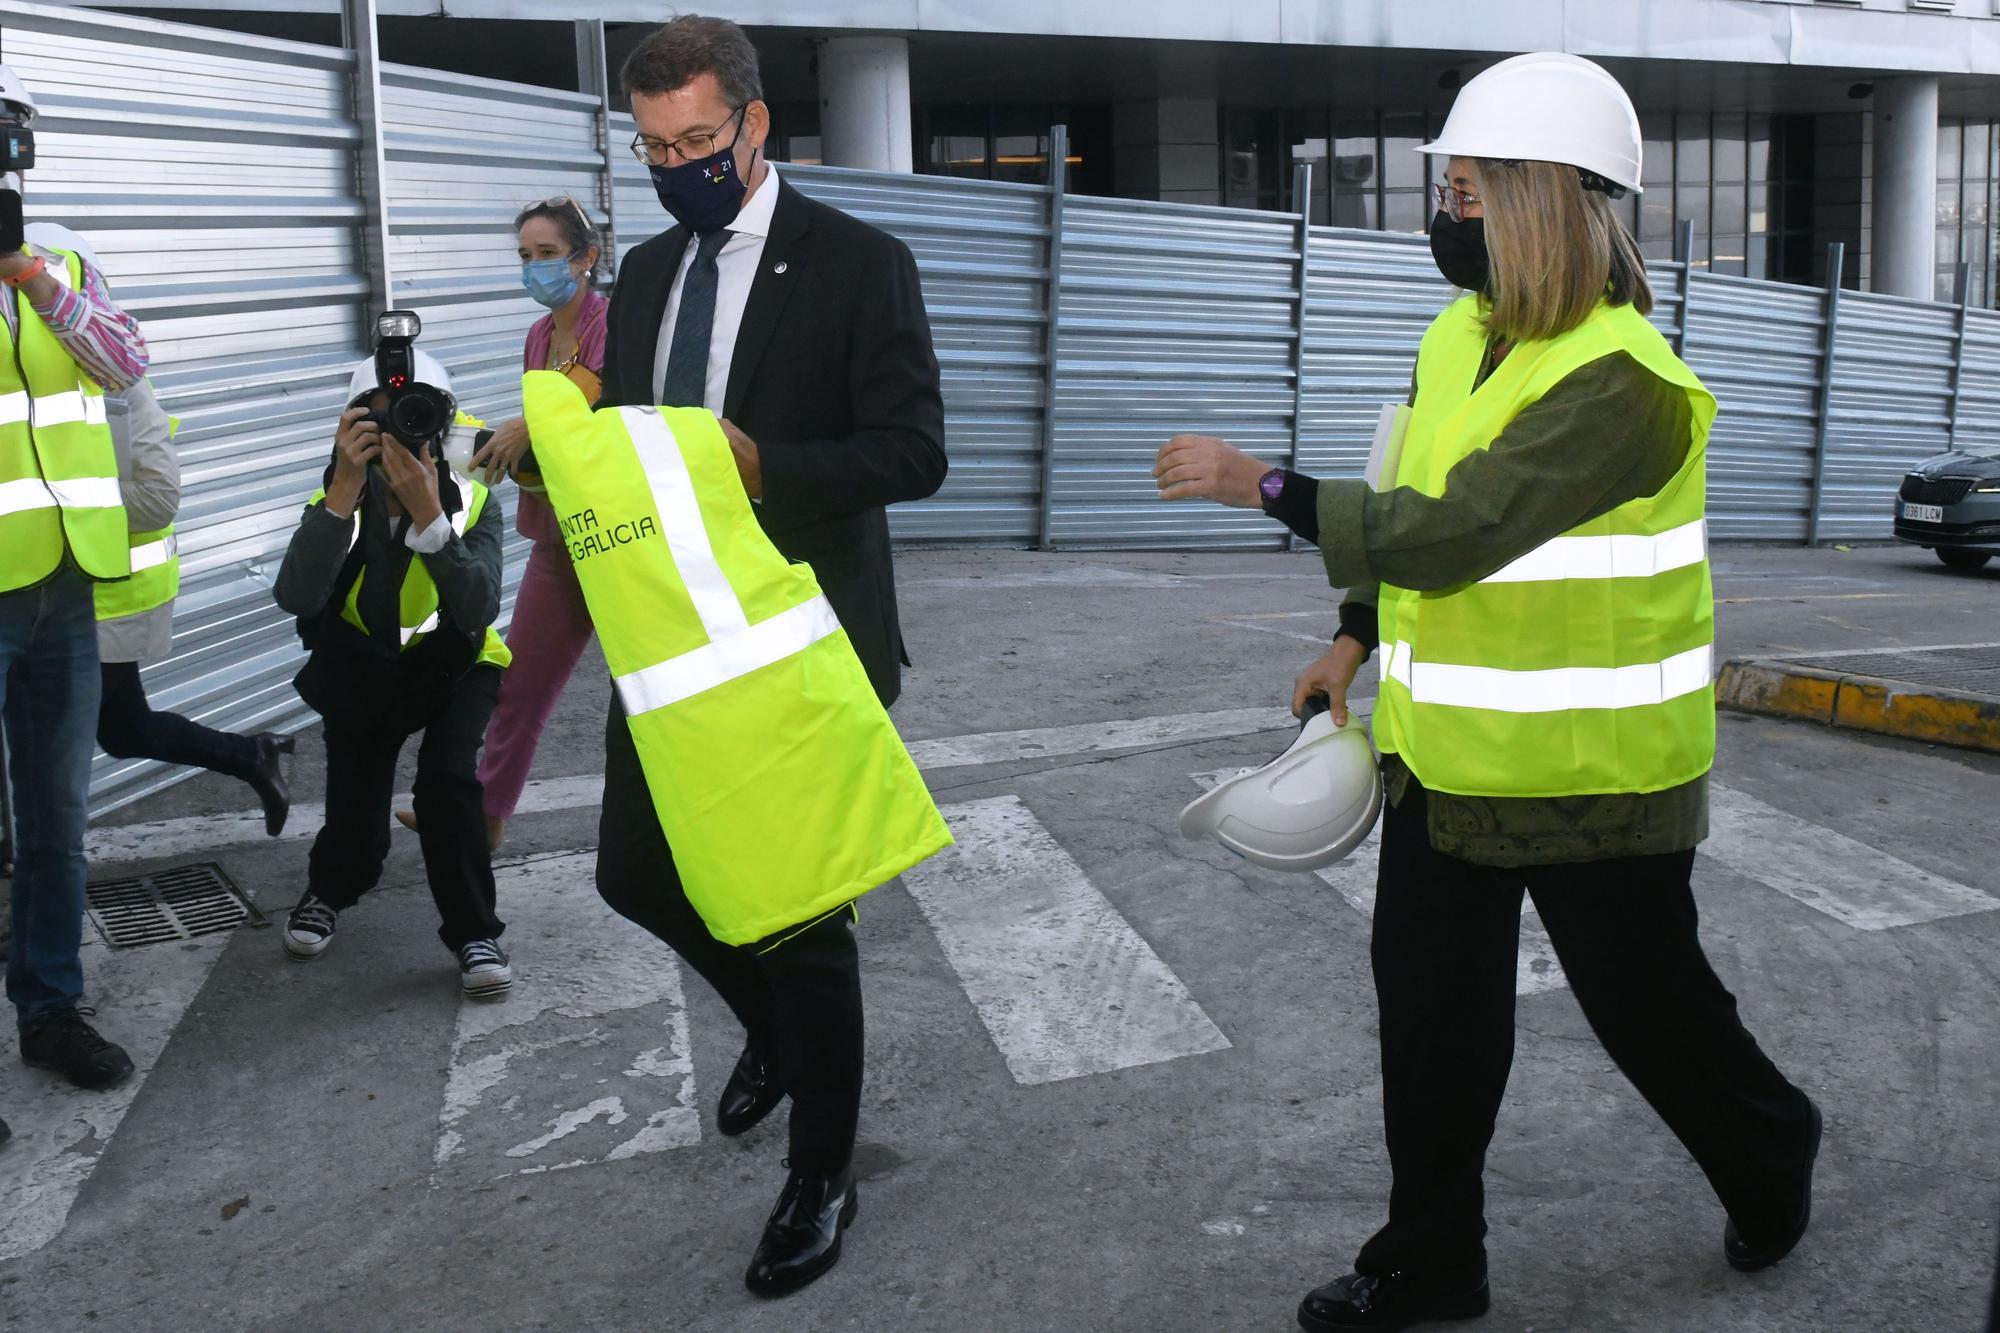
559, 201
1453, 202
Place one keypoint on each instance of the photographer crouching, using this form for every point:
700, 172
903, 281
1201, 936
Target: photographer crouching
394, 575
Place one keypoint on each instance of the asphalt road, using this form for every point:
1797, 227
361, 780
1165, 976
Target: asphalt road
1154, 1106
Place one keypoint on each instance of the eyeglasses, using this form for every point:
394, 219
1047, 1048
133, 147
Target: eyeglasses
689, 147
558, 201
1453, 202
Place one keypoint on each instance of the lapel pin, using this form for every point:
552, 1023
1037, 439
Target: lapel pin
780, 266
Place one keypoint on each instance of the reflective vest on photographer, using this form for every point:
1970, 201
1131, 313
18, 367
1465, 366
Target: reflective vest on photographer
780, 782
58, 471
1585, 666
417, 601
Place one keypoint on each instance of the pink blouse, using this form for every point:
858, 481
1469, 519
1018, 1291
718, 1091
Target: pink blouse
535, 518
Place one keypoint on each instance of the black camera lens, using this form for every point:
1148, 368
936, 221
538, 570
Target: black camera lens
419, 414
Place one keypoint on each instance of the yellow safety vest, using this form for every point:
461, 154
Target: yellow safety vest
58, 471
417, 600
156, 569
778, 777
1586, 665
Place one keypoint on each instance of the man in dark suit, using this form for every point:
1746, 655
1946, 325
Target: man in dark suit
804, 330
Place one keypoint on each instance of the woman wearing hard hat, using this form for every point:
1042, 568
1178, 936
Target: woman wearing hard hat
1536, 568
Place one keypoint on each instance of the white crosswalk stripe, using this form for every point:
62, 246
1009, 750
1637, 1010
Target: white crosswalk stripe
1062, 982
587, 1059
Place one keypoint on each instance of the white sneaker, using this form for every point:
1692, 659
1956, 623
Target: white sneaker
309, 929
483, 970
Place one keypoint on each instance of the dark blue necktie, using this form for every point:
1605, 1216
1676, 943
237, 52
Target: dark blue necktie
687, 358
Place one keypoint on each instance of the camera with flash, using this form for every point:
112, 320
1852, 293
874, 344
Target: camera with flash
417, 414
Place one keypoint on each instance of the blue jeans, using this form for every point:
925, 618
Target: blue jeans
49, 688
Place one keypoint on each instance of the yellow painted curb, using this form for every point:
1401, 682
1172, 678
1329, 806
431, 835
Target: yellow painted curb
1860, 703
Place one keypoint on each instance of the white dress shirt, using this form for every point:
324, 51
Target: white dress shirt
736, 268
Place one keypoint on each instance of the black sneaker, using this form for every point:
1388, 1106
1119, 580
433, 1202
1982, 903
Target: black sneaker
483, 970
62, 1041
309, 929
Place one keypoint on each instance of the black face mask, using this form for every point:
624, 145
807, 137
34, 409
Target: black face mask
1460, 251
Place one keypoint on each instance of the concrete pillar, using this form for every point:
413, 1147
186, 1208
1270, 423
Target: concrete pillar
864, 103
1166, 148
1904, 241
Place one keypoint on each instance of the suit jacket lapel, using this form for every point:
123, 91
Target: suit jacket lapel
639, 390
777, 275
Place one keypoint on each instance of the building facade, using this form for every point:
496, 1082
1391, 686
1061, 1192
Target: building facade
1773, 127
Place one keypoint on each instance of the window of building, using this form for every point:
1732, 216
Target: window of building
1356, 177
1010, 142
1966, 210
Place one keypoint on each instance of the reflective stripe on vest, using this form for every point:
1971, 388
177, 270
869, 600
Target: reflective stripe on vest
736, 677
155, 581
58, 470
1583, 666
735, 647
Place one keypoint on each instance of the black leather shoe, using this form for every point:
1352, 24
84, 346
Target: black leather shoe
71, 1047
802, 1239
1747, 1258
1395, 1301
749, 1095
269, 780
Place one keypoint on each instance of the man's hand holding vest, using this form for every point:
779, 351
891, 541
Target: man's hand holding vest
356, 444
749, 463
413, 476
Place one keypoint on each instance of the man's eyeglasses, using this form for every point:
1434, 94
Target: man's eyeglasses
689, 147
1453, 202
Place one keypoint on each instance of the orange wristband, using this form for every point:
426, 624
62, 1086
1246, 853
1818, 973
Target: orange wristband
34, 270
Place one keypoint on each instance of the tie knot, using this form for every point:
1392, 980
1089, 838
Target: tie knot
711, 245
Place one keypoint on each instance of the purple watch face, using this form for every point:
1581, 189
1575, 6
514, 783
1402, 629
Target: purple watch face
1272, 484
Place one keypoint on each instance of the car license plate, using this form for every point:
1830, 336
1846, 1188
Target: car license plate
1924, 513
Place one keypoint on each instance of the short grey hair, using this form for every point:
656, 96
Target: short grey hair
681, 50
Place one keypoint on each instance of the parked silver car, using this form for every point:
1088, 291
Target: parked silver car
1951, 504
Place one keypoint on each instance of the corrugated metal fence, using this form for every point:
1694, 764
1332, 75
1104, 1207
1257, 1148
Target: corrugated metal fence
219, 178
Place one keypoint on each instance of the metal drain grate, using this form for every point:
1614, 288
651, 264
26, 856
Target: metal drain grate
168, 905
1972, 670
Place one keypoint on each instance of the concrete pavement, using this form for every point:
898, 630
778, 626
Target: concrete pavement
1176, 1128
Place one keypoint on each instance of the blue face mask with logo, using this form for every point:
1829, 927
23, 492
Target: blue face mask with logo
549, 281
704, 195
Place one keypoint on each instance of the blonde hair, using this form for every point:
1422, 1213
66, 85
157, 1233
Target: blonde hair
1556, 248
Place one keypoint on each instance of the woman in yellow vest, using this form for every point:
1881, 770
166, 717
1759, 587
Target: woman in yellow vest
1535, 571
135, 622
394, 575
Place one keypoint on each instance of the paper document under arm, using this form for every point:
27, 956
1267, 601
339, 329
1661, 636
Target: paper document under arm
1387, 451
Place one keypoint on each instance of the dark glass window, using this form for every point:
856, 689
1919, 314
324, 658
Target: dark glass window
1356, 173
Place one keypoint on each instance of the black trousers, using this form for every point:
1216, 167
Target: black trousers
347, 856
129, 728
799, 1001
1445, 942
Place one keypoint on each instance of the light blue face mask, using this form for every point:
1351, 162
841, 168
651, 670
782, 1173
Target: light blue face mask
549, 281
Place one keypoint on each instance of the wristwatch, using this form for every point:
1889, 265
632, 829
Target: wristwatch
1271, 485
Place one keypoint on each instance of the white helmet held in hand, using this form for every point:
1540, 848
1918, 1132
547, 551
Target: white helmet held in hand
1547, 107
14, 89
1305, 809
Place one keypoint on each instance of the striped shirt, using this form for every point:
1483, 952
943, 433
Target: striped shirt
104, 341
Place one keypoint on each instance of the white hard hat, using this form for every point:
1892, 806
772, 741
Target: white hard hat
1305, 809
15, 89
429, 369
1546, 107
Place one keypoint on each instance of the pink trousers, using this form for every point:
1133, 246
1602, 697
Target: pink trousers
550, 631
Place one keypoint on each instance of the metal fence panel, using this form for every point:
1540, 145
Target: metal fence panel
1891, 406
213, 175
1369, 301
1174, 318
1756, 345
463, 157
1979, 383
